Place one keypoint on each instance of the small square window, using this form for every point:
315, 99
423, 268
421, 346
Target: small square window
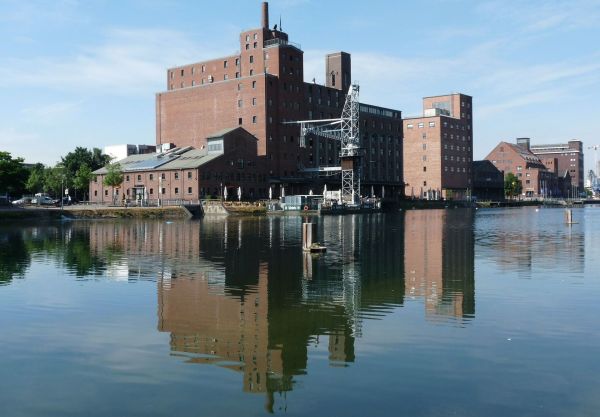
240, 121
177, 175
254, 119
176, 190
189, 175
189, 190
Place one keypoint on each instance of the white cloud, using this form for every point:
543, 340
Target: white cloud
128, 61
52, 112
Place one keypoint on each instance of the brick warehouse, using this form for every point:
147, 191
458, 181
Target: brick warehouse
228, 160
438, 149
262, 88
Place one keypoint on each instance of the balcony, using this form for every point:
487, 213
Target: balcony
281, 42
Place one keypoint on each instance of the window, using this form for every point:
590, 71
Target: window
424, 146
255, 45
240, 103
162, 176
189, 190
251, 59
176, 190
151, 191
203, 68
182, 72
237, 75
177, 175
240, 121
237, 62
254, 101
409, 126
431, 124
224, 64
151, 177
424, 158
189, 175
253, 84
127, 178
251, 72
139, 177
421, 125
424, 169
247, 46
254, 119
225, 76
163, 191
193, 83
424, 183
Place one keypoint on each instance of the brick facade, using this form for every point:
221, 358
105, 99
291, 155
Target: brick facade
438, 148
262, 88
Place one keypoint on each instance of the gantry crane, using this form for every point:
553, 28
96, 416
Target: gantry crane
346, 130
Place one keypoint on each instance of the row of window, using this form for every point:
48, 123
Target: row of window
420, 125
162, 176
458, 169
150, 191
458, 148
464, 159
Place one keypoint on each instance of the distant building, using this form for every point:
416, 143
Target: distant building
438, 148
118, 152
488, 181
566, 157
229, 160
537, 179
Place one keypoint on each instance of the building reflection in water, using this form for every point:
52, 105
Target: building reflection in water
439, 259
240, 294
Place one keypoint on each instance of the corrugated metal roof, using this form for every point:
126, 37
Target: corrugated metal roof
222, 132
161, 162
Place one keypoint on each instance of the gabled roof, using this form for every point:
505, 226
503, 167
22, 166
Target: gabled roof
187, 158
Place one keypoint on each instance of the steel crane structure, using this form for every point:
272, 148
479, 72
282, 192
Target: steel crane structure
346, 130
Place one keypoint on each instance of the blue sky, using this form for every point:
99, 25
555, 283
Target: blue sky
84, 73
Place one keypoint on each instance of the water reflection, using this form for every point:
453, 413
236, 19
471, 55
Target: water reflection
239, 293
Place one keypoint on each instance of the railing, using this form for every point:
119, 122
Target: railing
280, 42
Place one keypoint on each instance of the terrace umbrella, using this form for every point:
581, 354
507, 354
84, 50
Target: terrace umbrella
282, 191
270, 193
225, 193
372, 191
239, 193
383, 191
324, 189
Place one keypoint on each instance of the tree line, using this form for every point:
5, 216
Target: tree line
73, 172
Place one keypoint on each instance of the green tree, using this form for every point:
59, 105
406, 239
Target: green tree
55, 180
13, 174
73, 161
512, 185
82, 178
113, 177
35, 181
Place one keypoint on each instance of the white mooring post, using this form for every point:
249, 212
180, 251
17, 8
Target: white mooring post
308, 233
569, 216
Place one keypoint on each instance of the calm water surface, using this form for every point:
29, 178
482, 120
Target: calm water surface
423, 313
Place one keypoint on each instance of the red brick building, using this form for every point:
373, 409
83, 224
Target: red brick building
260, 89
228, 159
536, 179
438, 148
562, 158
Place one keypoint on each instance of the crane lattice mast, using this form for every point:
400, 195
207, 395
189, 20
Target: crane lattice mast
346, 130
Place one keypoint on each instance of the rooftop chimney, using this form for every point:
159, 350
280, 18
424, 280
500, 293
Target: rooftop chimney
265, 15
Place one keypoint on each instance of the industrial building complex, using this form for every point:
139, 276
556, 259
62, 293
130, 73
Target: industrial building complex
249, 123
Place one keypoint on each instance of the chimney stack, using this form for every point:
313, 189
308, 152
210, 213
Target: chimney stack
265, 15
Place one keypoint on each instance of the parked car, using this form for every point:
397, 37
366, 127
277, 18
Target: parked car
44, 201
23, 201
